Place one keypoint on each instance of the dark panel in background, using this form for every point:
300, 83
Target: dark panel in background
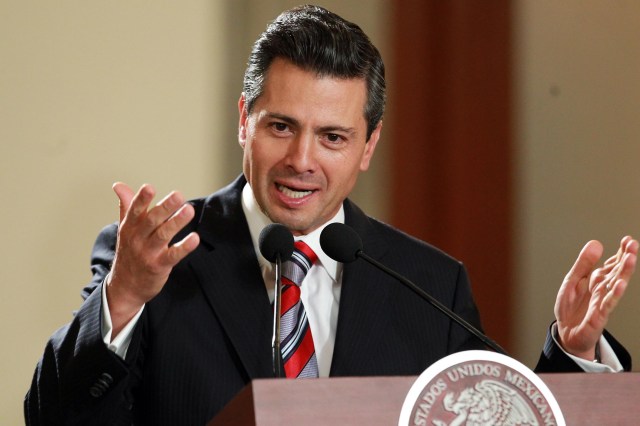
451, 160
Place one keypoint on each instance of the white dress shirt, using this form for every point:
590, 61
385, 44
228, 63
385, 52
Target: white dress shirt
320, 289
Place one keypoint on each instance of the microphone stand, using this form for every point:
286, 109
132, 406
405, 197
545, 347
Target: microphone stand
277, 308
435, 303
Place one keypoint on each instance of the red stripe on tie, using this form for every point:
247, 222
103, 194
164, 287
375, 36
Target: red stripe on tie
299, 359
289, 297
304, 248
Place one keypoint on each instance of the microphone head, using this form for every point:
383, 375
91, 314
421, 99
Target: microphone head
276, 240
340, 242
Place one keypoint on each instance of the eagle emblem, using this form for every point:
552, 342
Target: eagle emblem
488, 403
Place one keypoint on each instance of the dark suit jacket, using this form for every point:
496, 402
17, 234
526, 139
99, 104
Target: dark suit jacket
208, 333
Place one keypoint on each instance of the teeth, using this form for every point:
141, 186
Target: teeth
292, 193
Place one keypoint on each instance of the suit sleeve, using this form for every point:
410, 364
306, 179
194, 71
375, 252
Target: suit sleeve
554, 360
79, 380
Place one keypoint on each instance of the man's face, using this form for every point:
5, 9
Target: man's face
305, 144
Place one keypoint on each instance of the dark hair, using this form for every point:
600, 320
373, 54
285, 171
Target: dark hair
315, 39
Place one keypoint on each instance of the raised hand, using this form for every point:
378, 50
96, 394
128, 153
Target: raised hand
144, 258
588, 295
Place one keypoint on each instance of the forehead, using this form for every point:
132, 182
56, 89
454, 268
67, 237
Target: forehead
289, 89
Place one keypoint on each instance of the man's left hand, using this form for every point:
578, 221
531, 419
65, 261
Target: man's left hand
588, 296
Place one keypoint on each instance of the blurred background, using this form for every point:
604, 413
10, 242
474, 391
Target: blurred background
511, 138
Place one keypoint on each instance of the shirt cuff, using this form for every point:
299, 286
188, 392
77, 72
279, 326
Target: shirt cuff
120, 343
609, 362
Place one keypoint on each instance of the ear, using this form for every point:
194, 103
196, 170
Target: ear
242, 123
370, 147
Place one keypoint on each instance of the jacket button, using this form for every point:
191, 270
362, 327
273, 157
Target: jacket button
101, 385
106, 377
95, 392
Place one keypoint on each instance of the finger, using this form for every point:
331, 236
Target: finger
620, 271
610, 262
631, 245
125, 195
586, 261
616, 257
623, 268
619, 266
164, 233
611, 299
627, 245
618, 285
598, 277
181, 249
164, 210
140, 202
628, 267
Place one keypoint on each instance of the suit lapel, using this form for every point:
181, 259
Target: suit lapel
228, 271
361, 298
227, 268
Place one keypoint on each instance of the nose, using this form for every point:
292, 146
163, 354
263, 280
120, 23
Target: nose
301, 154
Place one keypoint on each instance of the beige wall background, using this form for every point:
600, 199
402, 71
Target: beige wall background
91, 93
577, 106
94, 92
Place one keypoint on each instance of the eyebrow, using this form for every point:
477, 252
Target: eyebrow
324, 129
282, 117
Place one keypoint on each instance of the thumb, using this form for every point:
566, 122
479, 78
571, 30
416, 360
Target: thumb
125, 195
587, 260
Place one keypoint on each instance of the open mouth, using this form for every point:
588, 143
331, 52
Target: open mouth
293, 192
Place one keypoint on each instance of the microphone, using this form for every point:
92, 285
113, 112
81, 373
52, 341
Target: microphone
276, 241
343, 244
276, 244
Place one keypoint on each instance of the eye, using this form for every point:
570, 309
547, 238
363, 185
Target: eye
334, 140
279, 127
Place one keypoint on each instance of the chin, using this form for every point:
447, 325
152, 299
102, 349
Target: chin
298, 222
295, 226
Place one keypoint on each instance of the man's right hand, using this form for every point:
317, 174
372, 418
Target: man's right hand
144, 259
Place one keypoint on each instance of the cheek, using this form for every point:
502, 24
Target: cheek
342, 173
260, 157
249, 161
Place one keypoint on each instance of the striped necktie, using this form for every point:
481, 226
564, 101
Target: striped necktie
296, 342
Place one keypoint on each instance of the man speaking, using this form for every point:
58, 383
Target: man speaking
178, 317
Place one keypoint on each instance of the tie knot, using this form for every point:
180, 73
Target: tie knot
305, 252
302, 259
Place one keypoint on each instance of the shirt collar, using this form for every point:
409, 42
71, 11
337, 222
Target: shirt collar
257, 220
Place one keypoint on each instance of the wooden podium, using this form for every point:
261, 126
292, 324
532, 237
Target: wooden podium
585, 399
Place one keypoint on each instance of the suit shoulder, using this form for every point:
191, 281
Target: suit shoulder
224, 202
403, 244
